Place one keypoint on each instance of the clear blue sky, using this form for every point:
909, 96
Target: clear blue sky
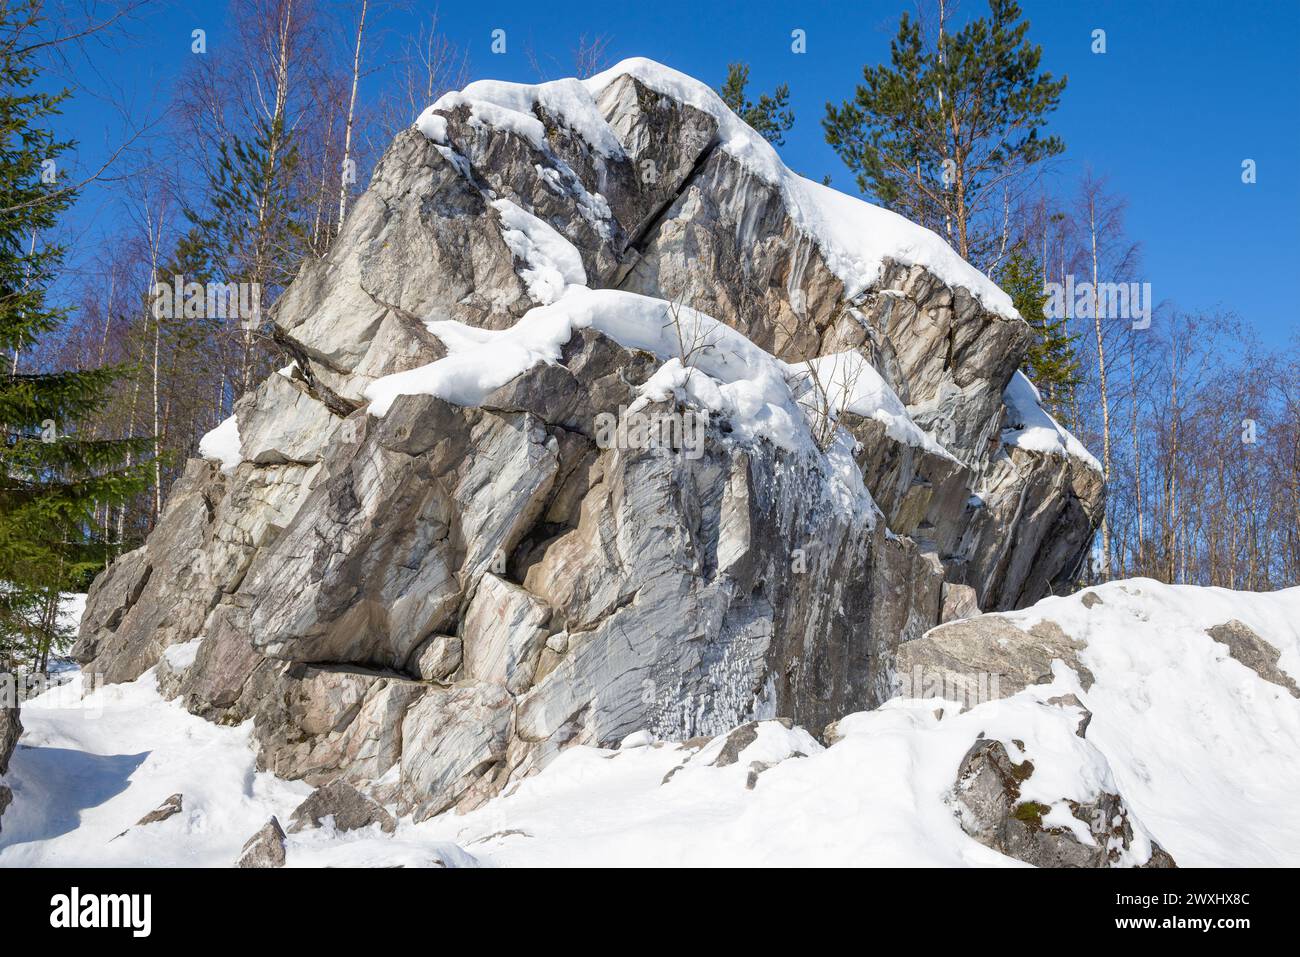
1186, 90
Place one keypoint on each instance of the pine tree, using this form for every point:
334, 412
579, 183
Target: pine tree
1051, 363
50, 478
770, 117
253, 229
939, 134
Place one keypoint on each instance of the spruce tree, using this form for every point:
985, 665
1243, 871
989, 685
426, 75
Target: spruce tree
1051, 363
252, 230
771, 116
939, 132
51, 479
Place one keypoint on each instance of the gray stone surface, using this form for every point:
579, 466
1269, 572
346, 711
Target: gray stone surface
450, 740
1253, 652
431, 605
438, 658
505, 629
11, 729
342, 804
987, 798
976, 659
959, 601
265, 848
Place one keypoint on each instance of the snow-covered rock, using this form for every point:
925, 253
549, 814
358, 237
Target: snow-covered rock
11, 729
530, 263
340, 806
265, 849
991, 807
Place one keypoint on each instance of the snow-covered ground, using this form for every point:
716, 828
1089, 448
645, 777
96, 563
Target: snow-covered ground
1203, 749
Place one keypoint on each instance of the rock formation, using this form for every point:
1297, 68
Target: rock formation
265, 849
10, 731
1098, 833
417, 559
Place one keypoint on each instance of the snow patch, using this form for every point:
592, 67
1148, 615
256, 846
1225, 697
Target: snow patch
1031, 428
179, 657
222, 444
847, 382
511, 106
1200, 747
552, 261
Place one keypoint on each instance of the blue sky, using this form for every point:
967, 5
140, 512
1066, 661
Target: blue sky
1184, 93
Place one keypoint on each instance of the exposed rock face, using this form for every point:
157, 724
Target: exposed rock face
430, 603
346, 807
978, 659
1253, 652
1032, 528
169, 808
987, 796
264, 849
11, 730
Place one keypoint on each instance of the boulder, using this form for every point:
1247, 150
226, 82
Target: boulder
987, 799
987, 657
438, 658
265, 848
169, 808
738, 740
1245, 646
345, 806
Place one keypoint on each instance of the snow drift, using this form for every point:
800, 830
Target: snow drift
1197, 733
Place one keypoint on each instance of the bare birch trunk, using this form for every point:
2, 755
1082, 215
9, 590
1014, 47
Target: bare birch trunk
352, 107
